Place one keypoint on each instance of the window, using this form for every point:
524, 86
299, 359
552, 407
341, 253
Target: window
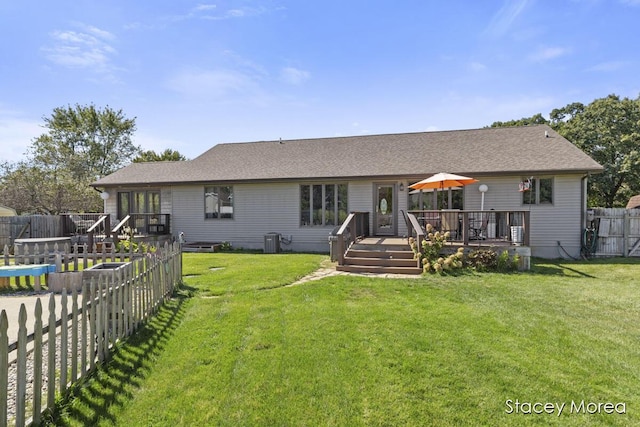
447, 199
138, 202
537, 191
218, 202
323, 204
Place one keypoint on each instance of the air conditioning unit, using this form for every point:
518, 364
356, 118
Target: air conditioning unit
271, 243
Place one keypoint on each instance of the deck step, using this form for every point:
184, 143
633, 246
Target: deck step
380, 256
369, 253
379, 269
382, 262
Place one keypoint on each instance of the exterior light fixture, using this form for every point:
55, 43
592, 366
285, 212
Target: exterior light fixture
483, 189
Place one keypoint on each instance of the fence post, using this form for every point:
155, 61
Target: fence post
64, 342
86, 299
51, 374
37, 364
93, 322
4, 366
21, 380
625, 234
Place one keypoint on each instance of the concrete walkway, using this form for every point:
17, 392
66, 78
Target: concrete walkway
12, 303
324, 271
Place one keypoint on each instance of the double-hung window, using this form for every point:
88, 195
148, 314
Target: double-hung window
218, 202
323, 204
537, 191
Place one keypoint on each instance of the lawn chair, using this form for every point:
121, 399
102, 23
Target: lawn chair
478, 227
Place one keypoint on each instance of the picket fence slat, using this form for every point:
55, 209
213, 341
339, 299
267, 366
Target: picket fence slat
108, 308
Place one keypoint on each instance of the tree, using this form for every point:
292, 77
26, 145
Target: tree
152, 156
81, 144
86, 141
31, 190
608, 130
536, 119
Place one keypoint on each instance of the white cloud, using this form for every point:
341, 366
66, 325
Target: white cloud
212, 83
202, 7
547, 53
294, 76
88, 48
477, 66
503, 20
213, 13
608, 66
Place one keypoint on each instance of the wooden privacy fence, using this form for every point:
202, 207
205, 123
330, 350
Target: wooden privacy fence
61, 352
617, 231
34, 226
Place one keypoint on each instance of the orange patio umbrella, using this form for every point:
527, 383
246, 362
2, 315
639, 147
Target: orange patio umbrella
440, 181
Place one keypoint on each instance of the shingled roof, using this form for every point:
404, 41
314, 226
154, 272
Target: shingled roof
489, 151
634, 202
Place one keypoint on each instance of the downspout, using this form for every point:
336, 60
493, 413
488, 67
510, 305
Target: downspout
583, 201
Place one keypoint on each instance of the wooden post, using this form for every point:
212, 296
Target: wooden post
4, 365
626, 224
51, 379
21, 389
37, 364
64, 343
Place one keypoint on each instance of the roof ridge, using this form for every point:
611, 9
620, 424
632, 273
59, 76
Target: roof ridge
281, 140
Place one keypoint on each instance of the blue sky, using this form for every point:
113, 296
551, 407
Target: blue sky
195, 73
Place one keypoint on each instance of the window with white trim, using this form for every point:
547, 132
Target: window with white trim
218, 202
323, 204
537, 191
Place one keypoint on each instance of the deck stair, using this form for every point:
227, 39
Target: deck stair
380, 255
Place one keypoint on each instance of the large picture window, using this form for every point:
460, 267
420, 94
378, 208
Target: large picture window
537, 191
138, 202
218, 202
323, 204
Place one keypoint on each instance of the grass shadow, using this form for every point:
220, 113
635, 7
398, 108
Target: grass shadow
92, 401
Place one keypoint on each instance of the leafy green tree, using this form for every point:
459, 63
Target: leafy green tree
608, 129
152, 156
536, 119
32, 190
87, 141
81, 144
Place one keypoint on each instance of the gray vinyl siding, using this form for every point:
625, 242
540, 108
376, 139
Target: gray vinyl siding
258, 209
560, 221
261, 208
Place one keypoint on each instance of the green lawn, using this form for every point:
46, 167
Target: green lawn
237, 347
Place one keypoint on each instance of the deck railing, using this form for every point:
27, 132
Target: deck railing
144, 223
482, 227
354, 227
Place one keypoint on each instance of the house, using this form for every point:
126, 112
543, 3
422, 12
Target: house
634, 202
303, 189
5, 211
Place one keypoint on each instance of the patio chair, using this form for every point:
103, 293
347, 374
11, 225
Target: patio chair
80, 224
478, 227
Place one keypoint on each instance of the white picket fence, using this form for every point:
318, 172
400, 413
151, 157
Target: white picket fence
618, 232
61, 352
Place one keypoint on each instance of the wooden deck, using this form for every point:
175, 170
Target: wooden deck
394, 255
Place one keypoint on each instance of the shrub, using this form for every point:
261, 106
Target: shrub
429, 253
489, 260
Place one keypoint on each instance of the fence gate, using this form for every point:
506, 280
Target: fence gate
618, 231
